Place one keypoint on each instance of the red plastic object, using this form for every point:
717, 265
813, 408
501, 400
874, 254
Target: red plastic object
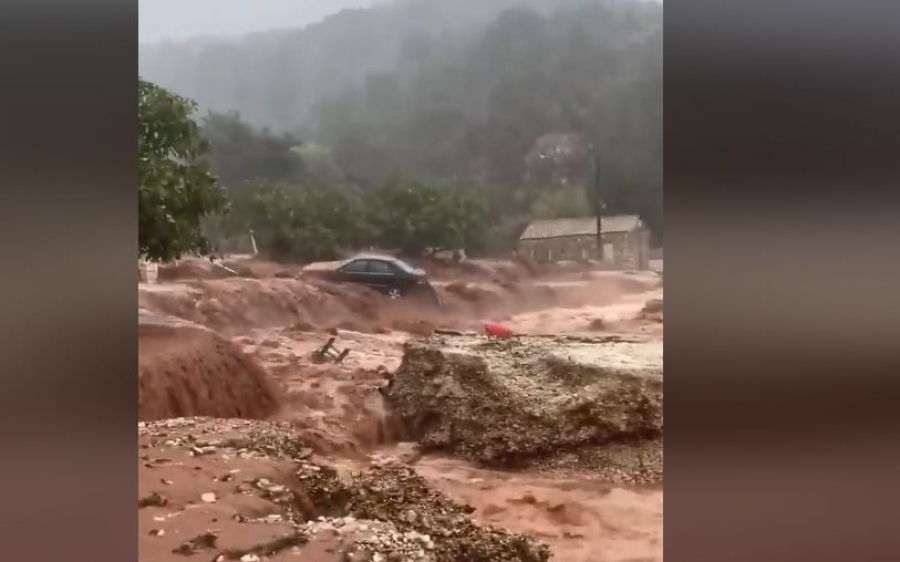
498, 331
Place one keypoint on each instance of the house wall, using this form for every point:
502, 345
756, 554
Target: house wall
557, 249
628, 250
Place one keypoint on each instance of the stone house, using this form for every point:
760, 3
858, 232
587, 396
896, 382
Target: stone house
625, 238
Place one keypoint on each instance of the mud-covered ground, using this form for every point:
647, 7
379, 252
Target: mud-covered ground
224, 339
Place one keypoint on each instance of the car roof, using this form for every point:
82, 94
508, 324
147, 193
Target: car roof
404, 265
372, 257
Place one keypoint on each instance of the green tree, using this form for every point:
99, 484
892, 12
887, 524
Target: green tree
240, 153
304, 222
175, 186
449, 91
414, 216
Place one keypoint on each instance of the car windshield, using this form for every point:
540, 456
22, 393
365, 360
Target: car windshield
405, 266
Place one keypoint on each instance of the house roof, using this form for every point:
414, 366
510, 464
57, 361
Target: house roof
582, 226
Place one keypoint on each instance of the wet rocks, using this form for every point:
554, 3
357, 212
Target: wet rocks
270, 548
200, 542
394, 515
385, 513
231, 437
523, 401
153, 500
427, 525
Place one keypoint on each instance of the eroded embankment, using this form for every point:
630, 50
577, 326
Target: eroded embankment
536, 402
257, 489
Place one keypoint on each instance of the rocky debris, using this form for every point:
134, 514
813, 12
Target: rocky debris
420, 523
440, 525
375, 540
196, 544
526, 401
153, 500
270, 548
636, 462
230, 438
386, 513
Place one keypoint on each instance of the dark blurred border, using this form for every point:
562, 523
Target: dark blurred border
782, 357
69, 247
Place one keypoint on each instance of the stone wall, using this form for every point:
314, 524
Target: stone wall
628, 250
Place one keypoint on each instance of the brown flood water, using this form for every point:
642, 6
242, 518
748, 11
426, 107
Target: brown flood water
580, 518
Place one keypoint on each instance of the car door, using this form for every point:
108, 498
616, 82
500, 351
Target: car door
356, 271
382, 275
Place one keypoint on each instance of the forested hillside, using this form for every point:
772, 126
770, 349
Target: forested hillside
513, 98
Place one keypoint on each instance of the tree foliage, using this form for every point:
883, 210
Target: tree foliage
240, 153
414, 216
449, 93
175, 186
300, 222
317, 221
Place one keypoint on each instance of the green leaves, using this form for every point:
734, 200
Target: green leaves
300, 222
175, 187
240, 153
413, 216
313, 221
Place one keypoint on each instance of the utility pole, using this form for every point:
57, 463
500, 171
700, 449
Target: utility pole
598, 206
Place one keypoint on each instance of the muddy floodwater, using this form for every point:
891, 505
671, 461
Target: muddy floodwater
216, 485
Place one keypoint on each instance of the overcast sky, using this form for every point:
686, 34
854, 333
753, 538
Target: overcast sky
180, 19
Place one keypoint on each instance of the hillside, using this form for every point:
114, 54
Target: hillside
454, 91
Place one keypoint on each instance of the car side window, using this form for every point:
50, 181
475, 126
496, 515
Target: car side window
358, 266
380, 267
